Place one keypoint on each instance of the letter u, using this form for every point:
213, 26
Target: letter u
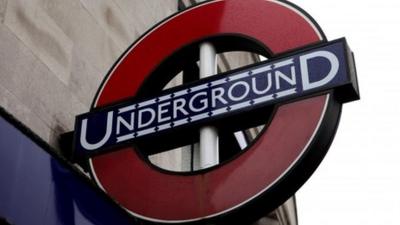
83, 137
254, 85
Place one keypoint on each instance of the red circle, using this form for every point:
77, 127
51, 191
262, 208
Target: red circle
152, 195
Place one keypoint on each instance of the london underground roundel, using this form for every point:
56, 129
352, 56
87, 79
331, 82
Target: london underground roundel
310, 79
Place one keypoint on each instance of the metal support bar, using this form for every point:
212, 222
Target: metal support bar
208, 153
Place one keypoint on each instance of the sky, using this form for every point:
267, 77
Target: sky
358, 182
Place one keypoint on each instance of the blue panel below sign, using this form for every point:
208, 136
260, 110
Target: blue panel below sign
36, 188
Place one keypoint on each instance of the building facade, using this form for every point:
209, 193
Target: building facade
54, 55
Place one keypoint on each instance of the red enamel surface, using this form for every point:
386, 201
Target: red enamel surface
150, 193
272, 24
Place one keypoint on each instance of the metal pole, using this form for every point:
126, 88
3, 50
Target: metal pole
209, 155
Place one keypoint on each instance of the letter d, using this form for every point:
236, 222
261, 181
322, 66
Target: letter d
304, 69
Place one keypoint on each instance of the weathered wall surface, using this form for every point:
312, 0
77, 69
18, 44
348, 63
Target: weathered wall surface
54, 54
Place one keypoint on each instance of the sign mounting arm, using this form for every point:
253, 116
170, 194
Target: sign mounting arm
208, 151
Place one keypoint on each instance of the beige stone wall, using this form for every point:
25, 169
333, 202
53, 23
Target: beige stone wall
54, 54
